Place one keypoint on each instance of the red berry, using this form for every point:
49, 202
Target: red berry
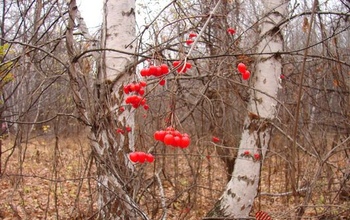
189, 41
145, 72
164, 69
159, 135
231, 31
134, 157
185, 142
145, 106
131, 87
128, 128
152, 70
176, 133
246, 153
188, 65
142, 101
126, 89
156, 135
137, 87
120, 131
149, 158
142, 156
135, 105
159, 71
191, 35
176, 63
215, 139
121, 109
282, 76
162, 82
257, 156
143, 84
128, 100
176, 142
141, 91
241, 67
168, 139
246, 75
181, 69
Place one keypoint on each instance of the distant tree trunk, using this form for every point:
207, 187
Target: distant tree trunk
101, 109
238, 197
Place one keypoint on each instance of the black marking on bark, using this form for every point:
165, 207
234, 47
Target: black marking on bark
246, 179
128, 13
277, 56
274, 31
259, 100
230, 193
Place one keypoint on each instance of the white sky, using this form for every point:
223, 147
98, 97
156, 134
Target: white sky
91, 10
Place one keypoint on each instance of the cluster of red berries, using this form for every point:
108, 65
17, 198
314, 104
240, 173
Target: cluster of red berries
242, 68
157, 71
173, 137
255, 157
138, 88
190, 40
137, 99
181, 67
141, 157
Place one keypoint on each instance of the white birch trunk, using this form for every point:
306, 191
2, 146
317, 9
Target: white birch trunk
110, 150
115, 199
238, 197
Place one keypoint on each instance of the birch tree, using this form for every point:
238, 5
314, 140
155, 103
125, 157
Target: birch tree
238, 197
114, 170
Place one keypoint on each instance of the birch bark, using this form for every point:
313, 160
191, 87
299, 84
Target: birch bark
115, 172
238, 197
104, 96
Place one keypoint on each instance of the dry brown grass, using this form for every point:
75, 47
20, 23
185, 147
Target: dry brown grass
50, 182
59, 182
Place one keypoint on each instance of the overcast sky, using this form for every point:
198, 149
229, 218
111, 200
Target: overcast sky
91, 10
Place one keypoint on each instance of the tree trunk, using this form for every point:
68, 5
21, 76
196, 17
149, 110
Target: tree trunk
114, 170
115, 178
238, 197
